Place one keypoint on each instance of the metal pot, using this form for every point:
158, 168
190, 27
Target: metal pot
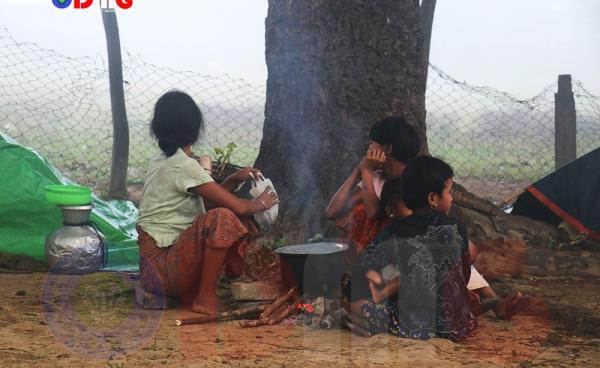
76, 215
316, 267
75, 248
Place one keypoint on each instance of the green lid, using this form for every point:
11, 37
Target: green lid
68, 195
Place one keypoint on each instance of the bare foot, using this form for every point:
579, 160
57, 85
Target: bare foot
208, 306
512, 305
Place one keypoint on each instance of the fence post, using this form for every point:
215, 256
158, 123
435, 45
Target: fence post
120, 150
565, 123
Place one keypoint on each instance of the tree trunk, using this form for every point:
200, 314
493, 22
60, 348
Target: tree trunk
120, 151
335, 67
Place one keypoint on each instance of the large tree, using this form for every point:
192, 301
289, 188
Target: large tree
334, 68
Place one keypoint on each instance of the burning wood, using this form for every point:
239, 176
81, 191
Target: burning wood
285, 313
319, 312
276, 312
224, 316
277, 303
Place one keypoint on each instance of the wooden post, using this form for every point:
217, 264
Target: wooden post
120, 150
565, 126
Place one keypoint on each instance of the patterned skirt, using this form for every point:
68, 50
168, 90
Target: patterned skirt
175, 270
385, 318
357, 227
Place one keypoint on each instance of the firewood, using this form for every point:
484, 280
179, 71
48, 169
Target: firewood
279, 301
347, 323
254, 323
224, 316
276, 311
287, 311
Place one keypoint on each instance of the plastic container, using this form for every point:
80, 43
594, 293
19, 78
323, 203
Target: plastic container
68, 195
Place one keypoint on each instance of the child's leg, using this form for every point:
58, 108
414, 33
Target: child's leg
486, 292
511, 305
506, 308
355, 307
234, 263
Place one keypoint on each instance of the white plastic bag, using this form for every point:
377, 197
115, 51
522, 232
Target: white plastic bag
265, 219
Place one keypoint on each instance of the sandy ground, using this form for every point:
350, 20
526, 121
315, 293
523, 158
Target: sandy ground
53, 322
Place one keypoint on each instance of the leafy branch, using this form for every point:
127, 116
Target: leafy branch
224, 155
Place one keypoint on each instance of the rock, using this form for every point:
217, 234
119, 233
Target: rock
258, 290
502, 257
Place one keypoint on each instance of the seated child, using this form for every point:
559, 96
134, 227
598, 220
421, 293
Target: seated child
483, 296
356, 206
359, 289
431, 253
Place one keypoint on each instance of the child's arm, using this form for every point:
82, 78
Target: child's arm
472, 252
372, 161
381, 294
345, 198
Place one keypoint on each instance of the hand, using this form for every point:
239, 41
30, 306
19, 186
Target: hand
374, 159
375, 284
246, 173
267, 199
374, 277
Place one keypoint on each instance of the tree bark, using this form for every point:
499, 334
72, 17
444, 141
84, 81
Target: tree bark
120, 151
427, 11
335, 67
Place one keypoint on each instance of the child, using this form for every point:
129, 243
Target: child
364, 284
357, 209
483, 295
183, 247
431, 253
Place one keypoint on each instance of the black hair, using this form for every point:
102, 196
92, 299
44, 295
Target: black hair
398, 133
422, 176
177, 121
391, 192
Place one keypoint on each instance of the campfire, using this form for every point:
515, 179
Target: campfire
317, 312
314, 270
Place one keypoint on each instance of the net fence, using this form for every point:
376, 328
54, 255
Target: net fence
60, 106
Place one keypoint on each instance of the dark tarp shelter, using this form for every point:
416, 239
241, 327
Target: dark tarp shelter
570, 194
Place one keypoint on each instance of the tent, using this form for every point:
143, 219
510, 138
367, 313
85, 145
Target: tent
26, 217
570, 194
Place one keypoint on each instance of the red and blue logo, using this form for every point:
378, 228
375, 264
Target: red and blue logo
84, 4
61, 4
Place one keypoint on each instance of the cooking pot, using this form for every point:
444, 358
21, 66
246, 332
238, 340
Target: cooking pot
316, 268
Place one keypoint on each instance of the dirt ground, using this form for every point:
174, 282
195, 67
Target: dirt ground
48, 321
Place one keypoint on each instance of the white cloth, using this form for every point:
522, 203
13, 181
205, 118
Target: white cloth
378, 181
476, 281
265, 219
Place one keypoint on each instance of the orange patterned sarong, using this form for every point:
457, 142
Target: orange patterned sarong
175, 270
357, 227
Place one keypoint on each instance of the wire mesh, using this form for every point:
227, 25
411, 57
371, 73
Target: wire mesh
60, 106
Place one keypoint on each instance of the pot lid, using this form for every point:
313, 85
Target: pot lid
313, 248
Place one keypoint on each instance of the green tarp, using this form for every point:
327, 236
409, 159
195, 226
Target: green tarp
26, 218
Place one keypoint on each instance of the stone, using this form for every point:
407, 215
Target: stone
257, 290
